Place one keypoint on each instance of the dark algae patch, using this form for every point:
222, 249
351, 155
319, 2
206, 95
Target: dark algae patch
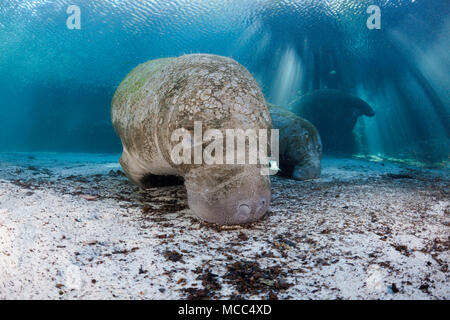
249, 278
197, 294
210, 285
173, 255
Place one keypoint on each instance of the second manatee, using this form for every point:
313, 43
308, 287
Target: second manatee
300, 145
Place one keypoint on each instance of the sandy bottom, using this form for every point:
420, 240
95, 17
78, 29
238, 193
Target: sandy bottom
72, 226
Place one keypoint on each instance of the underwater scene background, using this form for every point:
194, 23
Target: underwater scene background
56, 83
368, 220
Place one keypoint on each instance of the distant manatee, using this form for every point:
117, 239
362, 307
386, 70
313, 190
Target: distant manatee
300, 145
334, 113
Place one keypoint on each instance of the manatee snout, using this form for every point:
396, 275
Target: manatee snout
234, 209
308, 172
244, 198
370, 113
365, 108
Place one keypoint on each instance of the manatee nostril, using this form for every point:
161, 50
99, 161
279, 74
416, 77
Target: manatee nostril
244, 210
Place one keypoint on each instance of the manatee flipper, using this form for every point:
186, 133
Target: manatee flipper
300, 145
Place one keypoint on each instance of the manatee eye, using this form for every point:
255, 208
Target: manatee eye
262, 204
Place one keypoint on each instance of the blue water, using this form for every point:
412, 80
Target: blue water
56, 84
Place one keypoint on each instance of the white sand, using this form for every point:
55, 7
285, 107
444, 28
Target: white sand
350, 235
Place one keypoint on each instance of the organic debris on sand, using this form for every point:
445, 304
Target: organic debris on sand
73, 226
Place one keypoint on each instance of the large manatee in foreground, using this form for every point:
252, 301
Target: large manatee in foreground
334, 114
163, 95
300, 145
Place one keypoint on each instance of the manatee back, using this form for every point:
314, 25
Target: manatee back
214, 90
163, 95
314, 104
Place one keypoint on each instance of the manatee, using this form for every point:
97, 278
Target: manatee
299, 143
334, 114
160, 96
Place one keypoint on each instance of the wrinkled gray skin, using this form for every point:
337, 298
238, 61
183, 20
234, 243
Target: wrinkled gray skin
162, 95
300, 145
334, 114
